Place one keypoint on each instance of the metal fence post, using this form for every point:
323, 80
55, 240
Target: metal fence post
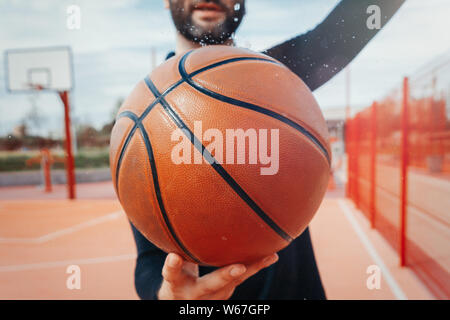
404, 172
373, 158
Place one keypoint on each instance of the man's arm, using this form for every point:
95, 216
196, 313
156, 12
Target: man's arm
321, 53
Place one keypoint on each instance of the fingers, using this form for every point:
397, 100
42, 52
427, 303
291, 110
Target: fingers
181, 282
172, 269
221, 283
252, 269
217, 280
190, 269
256, 267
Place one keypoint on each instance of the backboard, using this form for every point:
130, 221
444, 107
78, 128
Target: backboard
39, 69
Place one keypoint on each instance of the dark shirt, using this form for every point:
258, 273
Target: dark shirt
315, 57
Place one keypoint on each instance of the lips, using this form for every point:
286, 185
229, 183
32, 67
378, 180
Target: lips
208, 6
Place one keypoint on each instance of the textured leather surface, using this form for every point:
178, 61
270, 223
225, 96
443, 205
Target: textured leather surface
120, 131
210, 220
292, 195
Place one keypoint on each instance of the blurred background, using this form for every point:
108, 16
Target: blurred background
388, 114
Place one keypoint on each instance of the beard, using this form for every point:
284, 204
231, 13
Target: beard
218, 34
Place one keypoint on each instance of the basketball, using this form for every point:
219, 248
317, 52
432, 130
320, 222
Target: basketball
220, 155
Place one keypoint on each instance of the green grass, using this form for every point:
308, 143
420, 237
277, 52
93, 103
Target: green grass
85, 158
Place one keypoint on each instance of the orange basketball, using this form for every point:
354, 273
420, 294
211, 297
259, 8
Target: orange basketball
220, 155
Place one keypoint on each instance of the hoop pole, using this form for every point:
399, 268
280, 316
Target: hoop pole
70, 164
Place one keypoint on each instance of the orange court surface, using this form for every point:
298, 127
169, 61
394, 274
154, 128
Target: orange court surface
42, 234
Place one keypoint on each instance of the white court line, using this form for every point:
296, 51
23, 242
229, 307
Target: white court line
398, 292
65, 231
54, 264
340, 174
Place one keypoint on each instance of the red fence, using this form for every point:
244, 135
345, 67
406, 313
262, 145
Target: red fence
399, 173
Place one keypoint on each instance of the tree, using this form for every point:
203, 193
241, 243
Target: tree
87, 136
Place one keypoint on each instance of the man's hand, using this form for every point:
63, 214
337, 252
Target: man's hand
181, 279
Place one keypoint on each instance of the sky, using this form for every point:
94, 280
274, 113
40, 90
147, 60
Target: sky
112, 50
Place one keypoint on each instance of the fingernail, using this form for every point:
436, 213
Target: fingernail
270, 259
173, 261
237, 271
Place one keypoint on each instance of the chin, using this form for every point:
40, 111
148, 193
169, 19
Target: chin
208, 24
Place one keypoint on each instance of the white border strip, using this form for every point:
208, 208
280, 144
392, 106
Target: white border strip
395, 288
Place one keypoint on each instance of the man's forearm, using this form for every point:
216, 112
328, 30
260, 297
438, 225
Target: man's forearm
149, 263
321, 53
147, 276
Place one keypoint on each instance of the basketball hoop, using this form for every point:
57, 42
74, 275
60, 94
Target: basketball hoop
36, 87
45, 69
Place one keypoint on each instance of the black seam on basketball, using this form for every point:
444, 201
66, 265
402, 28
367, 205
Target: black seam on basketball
148, 146
217, 167
158, 99
168, 90
176, 84
220, 63
134, 118
250, 106
158, 192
